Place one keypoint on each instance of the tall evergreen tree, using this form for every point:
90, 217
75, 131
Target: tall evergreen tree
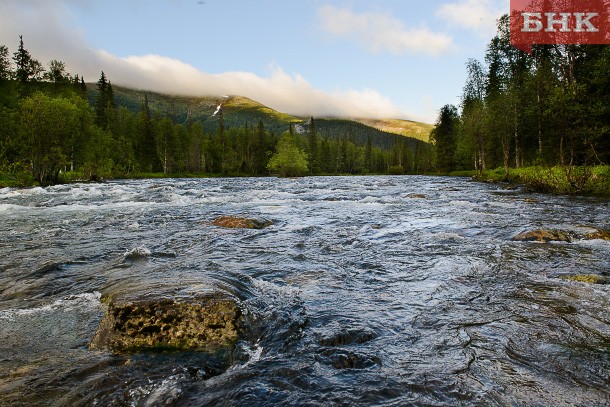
27, 68
368, 155
260, 149
444, 138
5, 64
146, 151
314, 153
101, 103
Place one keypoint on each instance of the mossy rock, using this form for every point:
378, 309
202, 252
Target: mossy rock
544, 236
234, 222
586, 278
208, 324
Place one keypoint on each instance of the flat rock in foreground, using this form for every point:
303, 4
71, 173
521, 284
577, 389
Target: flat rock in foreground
208, 324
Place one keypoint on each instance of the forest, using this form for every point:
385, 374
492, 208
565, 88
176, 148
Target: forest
58, 128
545, 114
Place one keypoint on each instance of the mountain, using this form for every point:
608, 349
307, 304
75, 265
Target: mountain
238, 111
405, 128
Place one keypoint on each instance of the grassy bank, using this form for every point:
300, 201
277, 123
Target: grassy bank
556, 180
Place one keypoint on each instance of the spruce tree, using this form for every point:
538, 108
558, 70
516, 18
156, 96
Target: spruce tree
260, 149
314, 154
444, 138
83, 86
101, 103
5, 64
368, 155
147, 151
23, 62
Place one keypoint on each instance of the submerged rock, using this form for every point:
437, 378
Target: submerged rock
416, 196
586, 278
555, 235
598, 234
241, 223
542, 235
208, 324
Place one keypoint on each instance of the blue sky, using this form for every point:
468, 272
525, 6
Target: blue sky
402, 59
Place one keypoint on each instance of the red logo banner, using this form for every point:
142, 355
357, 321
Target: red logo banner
559, 22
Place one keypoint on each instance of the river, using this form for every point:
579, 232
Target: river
387, 291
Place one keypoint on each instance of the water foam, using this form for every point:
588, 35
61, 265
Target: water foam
79, 301
139, 252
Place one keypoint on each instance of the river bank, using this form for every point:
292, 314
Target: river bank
584, 181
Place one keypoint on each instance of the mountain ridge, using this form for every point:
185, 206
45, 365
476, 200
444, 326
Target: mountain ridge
238, 111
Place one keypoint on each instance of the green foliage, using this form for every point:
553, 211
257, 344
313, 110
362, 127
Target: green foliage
548, 112
49, 129
559, 180
55, 129
289, 161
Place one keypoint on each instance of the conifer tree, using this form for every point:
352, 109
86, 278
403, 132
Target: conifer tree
444, 138
260, 149
83, 86
368, 155
27, 68
146, 146
5, 64
314, 154
101, 103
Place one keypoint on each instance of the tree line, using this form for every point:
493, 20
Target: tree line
547, 109
52, 129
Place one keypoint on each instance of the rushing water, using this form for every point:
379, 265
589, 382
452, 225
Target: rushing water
384, 291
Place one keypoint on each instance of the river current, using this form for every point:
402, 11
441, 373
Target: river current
382, 291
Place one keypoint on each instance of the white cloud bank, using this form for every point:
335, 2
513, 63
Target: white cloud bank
381, 32
43, 24
476, 15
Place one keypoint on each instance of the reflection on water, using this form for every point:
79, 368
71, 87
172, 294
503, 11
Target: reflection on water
365, 291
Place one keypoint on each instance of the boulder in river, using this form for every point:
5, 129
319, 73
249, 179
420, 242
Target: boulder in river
586, 278
208, 324
543, 235
556, 235
234, 222
597, 234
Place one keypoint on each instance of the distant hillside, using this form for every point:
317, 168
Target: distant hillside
359, 133
238, 111
406, 128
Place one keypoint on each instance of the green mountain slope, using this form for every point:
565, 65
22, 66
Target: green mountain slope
406, 128
237, 111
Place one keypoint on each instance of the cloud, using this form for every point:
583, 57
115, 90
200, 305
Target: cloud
48, 34
381, 32
477, 15
282, 91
